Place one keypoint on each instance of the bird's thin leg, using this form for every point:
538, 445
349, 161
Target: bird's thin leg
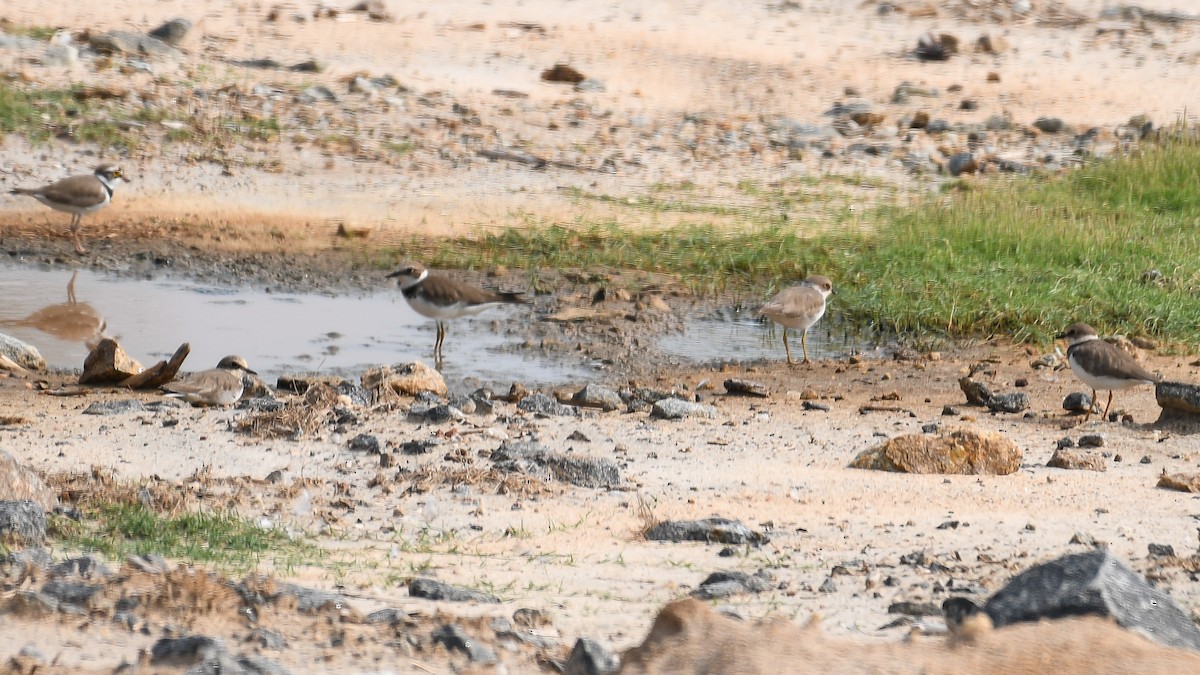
75, 233
1091, 404
1109, 404
787, 349
441, 336
804, 345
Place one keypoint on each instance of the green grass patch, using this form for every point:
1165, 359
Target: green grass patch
1115, 244
223, 539
40, 33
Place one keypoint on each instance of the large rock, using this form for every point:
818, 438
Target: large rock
431, 589
108, 364
1093, 583
19, 483
22, 524
1178, 397
128, 42
408, 379
963, 451
532, 459
719, 530
677, 409
589, 657
172, 32
1065, 458
23, 354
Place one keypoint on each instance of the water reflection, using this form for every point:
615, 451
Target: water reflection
70, 321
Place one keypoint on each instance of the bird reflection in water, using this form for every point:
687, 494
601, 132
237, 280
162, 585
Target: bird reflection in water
70, 321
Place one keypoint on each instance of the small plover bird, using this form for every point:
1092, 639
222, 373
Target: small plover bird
441, 298
1102, 366
220, 386
77, 195
799, 307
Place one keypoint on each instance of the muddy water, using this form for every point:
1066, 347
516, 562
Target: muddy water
735, 336
276, 332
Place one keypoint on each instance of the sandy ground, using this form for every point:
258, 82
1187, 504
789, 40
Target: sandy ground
781, 469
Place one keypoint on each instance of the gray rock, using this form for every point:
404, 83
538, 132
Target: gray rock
21, 353
997, 123
21, 562
130, 43
1049, 125
172, 32
1161, 550
1009, 403
70, 592
1178, 397
186, 651
435, 414
828, 586
60, 56
719, 530
390, 616
364, 443
1093, 583
1077, 401
119, 407
676, 409
19, 483
317, 93
588, 657
914, 609
937, 126
1091, 441
83, 567
312, 600
591, 84
541, 404
18, 42
533, 459
312, 66
746, 388
431, 589
22, 524
457, 639
724, 584
596, 396
977, 392
962, 162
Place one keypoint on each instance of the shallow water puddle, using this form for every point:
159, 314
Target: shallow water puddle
735, 336
276, 332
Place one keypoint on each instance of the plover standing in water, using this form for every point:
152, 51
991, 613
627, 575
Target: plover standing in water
799, 307
438, 297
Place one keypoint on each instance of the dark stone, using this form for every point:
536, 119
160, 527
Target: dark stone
69, 592
127, 405
431, 589
1009, 403
1091, 441
931, 47
1077, 401
185, 651
589, 658
84, 567
724, 584
977, 392
311, 600
950, 411
457, 639
1064, 442
813, 405
914, 609
365, 443
434, 414
937, 126
596, 396
675, 408
746, 388
390, 616
172, 32
930, 428
828, 586
1161, 550
418, 447
541, 404
962, 162
267, 639
718, 530
22, 524
1049, 125
128, 42
562, 72
1178, 397
531, 458
1093, 583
